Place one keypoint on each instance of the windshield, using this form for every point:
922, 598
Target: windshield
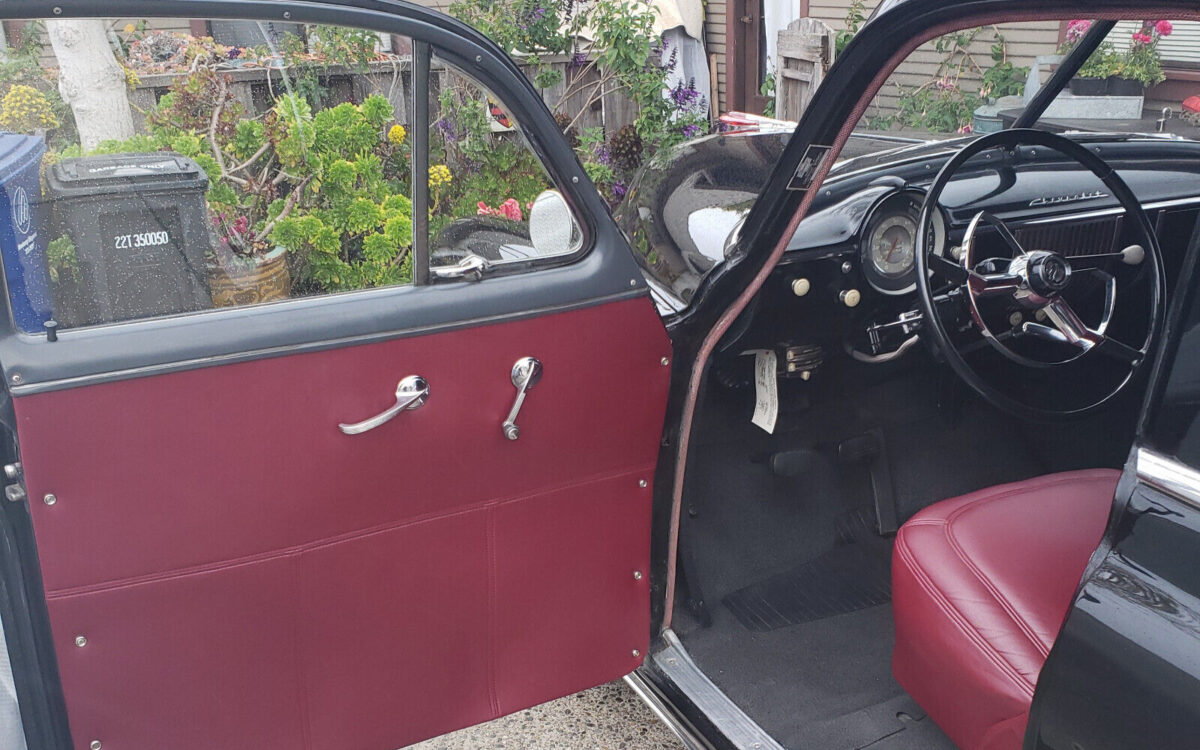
1144, 78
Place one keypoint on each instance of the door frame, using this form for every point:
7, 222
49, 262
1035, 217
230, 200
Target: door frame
743, 45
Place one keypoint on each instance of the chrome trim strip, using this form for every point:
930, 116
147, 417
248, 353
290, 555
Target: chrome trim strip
658, 706
1168, 476
741, 731
1101, 213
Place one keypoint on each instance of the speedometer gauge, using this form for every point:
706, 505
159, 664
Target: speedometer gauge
889, 241
892, 245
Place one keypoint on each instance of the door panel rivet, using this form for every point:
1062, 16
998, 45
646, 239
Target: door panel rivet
80, 641
17, 379
49, 499
575, 180
664, 361
637, 575
636, 653
641, 483
95, 745
287, 14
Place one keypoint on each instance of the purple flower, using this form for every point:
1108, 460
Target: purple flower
685, 96
619, 189
672, 60
447, 129
603, 154
691, 131
578, 60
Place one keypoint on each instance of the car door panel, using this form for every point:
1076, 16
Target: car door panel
214, 534
1124, 671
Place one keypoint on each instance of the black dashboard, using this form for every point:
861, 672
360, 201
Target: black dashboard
848, 276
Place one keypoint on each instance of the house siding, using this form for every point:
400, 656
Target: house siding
1026, 41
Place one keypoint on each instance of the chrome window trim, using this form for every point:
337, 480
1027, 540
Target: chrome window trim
1169, 476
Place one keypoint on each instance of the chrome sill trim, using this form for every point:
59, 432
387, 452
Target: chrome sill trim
741, 731
658, 706
1169, 476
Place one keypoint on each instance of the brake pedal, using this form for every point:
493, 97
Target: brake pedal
871, 449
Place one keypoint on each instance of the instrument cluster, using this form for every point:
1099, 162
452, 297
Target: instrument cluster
889, 239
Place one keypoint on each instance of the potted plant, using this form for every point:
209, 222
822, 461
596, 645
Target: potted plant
247, 162
1140, 66
1092, 78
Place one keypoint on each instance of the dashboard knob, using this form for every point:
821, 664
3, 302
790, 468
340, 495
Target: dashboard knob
850, 297
801, 287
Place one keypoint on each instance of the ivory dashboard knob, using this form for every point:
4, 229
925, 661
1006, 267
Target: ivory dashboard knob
801, 287
850, 297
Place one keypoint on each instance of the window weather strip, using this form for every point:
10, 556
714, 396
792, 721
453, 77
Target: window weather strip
420, 162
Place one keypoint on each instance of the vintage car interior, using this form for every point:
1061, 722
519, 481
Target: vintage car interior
961, 333
825, 438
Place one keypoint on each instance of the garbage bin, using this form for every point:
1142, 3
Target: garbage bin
254, 33
139, 224
22, 236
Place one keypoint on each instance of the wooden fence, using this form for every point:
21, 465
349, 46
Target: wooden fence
805, 53
580, 94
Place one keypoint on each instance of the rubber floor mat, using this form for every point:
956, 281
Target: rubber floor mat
854, 575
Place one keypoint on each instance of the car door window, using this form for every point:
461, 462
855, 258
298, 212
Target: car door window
489, 193
250, 162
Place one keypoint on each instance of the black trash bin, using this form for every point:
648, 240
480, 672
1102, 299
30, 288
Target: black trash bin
139, 223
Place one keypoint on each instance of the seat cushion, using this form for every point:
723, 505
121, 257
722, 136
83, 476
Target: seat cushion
981, 585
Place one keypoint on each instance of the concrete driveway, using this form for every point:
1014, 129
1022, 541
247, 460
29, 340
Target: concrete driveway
609, 717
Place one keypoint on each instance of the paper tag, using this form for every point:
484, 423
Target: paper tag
766, 391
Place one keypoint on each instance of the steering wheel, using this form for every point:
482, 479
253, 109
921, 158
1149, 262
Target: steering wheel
1040, 332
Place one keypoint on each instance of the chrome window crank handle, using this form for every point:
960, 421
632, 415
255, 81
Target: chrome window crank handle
411, 393
525, 375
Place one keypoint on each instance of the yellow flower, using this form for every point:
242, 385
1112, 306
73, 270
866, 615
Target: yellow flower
397, 135
25, 109
130, 28
439, 175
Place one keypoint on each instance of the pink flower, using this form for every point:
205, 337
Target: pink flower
966, 129
511, 209
1077, 28
1164, 28
1142, 38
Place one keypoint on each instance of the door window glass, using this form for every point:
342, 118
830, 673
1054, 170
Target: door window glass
153, 167
1175, 427
489, 194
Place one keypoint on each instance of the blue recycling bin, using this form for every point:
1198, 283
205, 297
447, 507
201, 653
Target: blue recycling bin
22, 232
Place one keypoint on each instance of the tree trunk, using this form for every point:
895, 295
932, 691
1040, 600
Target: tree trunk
91, 81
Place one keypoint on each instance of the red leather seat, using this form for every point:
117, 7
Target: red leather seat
981, 585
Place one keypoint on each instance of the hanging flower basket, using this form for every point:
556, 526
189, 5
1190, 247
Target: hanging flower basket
236, 280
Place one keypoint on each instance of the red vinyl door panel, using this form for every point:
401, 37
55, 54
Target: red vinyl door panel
247, 576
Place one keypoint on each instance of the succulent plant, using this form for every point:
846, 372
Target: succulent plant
626, 148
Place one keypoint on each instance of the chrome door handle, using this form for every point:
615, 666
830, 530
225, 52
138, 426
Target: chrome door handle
411, 393
471, 267
525, 374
